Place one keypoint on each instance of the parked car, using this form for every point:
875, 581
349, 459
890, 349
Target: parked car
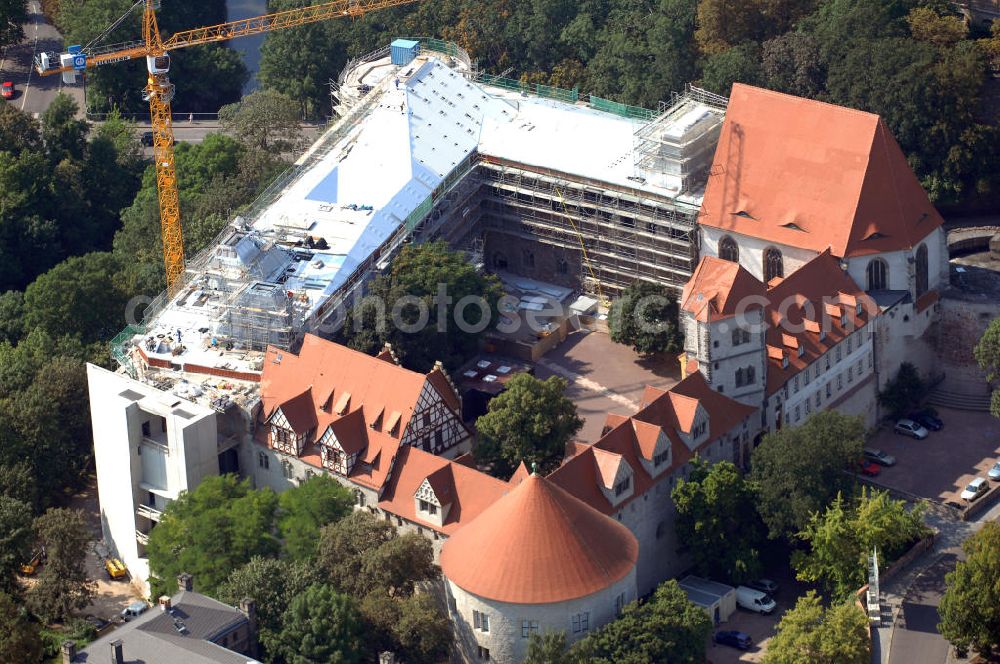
879, 457
869, 468
910, 428
994, 472
735, 639
754, 600
928, 419
134, 610
7, 90
765, 586
976, 488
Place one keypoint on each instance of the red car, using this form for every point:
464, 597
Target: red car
7, 90
868, 468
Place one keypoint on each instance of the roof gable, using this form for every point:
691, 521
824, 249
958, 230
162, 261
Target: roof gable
718, 288
813, 175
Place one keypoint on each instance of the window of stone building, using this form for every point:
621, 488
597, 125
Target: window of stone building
798, 414
619, 604
840, 380
923, 276
817, 399
528, 627
795, 384
729, 250
562, 266
263, 461
623, 486
484, 653
773, 264
740, 336
481, 621
878, 272
499, 261
839, 354
581, 622
428, 507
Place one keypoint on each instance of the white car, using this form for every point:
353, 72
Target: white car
994, 472
976, 488
754, 600
910, 428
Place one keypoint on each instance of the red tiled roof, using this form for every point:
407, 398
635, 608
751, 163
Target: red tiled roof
580, 476
519, 475
813, 175
539, 545
718, 288
468, 491
299, 412
802, 297
926, 300
362, 386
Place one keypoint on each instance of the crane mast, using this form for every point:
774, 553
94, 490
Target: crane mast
159, 91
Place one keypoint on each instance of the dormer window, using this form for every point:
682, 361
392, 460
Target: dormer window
784, 361
699, 430
623, 486
801, 351
857, 309
428, 507
661, 458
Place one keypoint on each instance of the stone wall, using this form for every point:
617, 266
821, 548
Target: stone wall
960, 326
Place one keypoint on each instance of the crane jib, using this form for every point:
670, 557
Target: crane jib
121, 58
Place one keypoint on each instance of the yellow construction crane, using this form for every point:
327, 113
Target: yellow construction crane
159, 90
583, 252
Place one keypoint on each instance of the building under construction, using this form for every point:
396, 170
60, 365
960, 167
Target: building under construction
534, 180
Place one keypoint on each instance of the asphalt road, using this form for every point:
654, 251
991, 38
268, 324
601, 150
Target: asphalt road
34, 93
916, 638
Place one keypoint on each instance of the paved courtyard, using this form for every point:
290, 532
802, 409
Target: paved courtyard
604, 377
939, 467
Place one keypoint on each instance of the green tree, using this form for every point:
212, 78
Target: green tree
272, 583
360, 554
903, 392
970, 607
321, 626
18, 131
844, 535
62, 586
413, 627
530, 421
723, 24
211, 531
739, 64
548, 648
13, 15
78, 297
928, 25
792, 63
810, 634
645, 318
797, 471
308, 507
11, 316
16, 539
20, 642
667, 627
63, 134
433, 306
263, 120
16, 479
987, 353
717, 522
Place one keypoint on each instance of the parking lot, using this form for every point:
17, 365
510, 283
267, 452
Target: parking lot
604, 377
939, 467
760, 628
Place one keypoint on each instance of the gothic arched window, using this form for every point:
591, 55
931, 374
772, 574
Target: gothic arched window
922, 270
773, 265
878, 275
728, 250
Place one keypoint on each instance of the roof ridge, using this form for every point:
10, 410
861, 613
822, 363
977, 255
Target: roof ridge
582, 542
776, 93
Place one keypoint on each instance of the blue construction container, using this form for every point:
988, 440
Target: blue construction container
402, 51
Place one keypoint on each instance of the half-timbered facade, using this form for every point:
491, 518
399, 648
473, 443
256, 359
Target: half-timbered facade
349, 413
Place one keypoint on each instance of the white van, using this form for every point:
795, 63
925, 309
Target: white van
754, 600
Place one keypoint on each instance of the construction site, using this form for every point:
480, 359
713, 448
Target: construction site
587, 194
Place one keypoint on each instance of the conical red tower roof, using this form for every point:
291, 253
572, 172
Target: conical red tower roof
538, 545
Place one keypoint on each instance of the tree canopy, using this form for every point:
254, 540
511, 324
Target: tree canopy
841, 538
211, 531
432, 306
797, 471
318, 501
264, 120
16, 541
19, 637
530, 421
667, 627
717, 522
970, 607
903, 392
645, 317
320, 626
809, 633
62, 587
987, 354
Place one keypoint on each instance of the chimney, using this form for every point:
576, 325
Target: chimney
164, 603
185, 582
68, 652
248, 607
116, 652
